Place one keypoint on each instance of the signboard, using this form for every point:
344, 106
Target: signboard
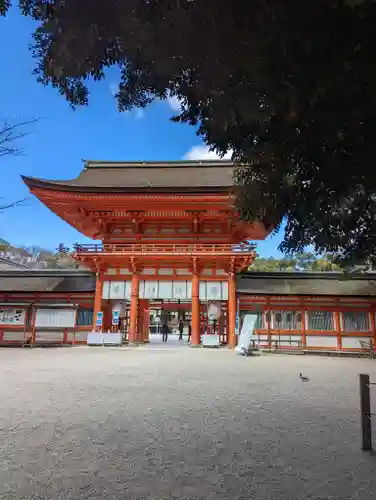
55, 318
246, 334
115, 318
12, 316
99, 320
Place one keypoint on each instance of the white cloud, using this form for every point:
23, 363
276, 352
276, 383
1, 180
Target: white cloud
203, 153
174, 102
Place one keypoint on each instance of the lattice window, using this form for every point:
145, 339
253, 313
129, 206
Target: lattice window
286, 320
355, 321
85, 316
320, 320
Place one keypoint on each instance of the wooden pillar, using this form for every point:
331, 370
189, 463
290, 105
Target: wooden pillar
97, 300
231, 310
268, 319
195, 310
337, 326
134, 309
33, 330
143, 320
303, 326
373, 328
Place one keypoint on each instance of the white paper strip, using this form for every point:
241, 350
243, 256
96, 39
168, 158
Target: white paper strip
224, 290
117, 290
151, 290
106, 290
165, 290
128, 289
213, 290
202, 290
180, 290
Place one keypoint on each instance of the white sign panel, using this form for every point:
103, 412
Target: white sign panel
246, 334
61, 318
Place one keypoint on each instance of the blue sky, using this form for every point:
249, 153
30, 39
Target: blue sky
61, 138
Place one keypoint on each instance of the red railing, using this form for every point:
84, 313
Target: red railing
160, 248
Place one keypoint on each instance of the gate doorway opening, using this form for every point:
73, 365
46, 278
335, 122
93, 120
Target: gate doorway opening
176, 315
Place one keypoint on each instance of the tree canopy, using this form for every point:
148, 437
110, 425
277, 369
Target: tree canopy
287, 85
305, 261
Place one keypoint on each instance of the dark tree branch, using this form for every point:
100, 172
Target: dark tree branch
13, 204
10, 134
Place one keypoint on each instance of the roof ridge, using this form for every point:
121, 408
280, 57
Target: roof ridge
157, 164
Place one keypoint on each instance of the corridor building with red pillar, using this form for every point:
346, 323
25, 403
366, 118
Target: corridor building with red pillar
172, 248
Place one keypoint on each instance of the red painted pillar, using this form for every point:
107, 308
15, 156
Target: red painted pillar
195, 310
303, 326
231, 310
373, 328
143, 320
337, 326
134, 309
33, 330
97, 300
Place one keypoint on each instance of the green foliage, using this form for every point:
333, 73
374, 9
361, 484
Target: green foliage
300, 262
288, 86
4, 6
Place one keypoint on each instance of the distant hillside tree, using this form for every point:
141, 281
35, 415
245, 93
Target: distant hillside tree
300, 262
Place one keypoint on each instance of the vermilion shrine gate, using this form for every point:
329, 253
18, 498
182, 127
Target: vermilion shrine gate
171, 240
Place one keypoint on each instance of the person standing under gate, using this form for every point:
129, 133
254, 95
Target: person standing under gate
164, 331
181, 329
189, 332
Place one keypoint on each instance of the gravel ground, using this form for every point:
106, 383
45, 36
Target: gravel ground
121, 423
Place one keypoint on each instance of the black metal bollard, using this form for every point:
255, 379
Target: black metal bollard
365, 412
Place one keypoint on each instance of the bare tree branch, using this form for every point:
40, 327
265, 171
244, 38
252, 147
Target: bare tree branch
10, 133
13, 204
